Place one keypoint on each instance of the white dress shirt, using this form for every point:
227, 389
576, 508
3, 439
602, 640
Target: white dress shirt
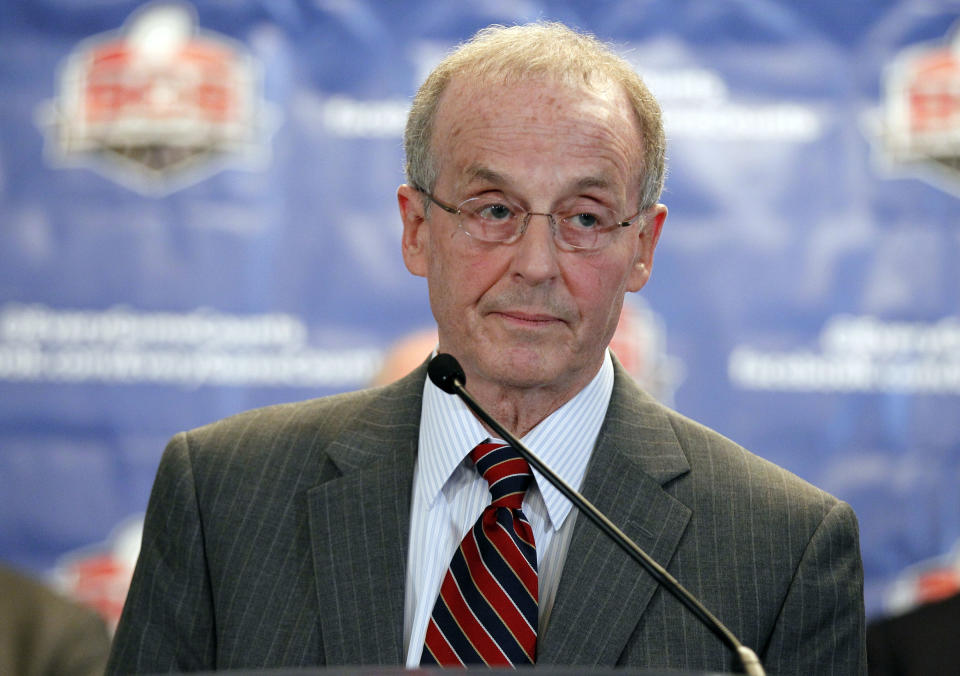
449, 494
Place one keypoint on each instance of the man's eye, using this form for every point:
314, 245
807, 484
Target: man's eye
585, 220
495, 212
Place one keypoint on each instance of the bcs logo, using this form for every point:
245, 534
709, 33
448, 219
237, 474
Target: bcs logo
99, 575
640, 343
925, 582
158, 105
918, 129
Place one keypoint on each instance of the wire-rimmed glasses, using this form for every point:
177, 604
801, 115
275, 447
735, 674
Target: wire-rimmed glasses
497, 219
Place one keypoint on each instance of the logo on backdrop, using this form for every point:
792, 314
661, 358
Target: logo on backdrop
158, 105
917, 130
925, 582
640, 343
99, 576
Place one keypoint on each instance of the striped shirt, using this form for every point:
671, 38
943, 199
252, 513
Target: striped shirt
449, 494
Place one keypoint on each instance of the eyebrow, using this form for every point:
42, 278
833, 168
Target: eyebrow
481, 173
592, 182
478, 172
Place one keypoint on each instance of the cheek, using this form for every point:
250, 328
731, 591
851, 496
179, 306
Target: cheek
459, 278
598, 289
473, 270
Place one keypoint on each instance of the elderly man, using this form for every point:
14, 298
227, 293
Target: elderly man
388, 527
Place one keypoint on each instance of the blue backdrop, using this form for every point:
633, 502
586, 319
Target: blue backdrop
197, 216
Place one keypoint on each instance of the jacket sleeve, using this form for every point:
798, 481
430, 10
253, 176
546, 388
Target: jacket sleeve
820, 627
167, 620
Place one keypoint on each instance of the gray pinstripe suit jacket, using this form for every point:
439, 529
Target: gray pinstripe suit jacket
278, 537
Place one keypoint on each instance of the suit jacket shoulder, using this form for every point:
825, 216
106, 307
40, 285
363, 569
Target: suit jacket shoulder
272, 432
261, 533
774, 558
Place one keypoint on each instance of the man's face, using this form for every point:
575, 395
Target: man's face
527, 314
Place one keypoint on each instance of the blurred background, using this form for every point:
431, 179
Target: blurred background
198, 216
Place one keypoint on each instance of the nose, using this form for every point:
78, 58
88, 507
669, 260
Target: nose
535, 253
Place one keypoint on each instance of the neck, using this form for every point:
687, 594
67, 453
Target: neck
522, 409
520, 415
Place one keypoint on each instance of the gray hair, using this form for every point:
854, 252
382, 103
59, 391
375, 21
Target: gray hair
535, 50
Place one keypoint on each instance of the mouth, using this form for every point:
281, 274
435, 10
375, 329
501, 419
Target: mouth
528, 319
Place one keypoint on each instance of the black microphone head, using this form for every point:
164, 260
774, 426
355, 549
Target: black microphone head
444, 370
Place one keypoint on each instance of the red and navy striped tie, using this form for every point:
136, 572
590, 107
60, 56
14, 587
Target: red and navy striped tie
486, 612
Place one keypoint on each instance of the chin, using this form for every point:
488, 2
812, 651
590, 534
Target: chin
524, 369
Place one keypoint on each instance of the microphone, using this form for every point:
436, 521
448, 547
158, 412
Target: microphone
446, 373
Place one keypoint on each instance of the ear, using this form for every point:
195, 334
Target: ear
649, 236
415, 241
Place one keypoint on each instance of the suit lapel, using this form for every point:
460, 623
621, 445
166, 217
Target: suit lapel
603, 592
359, 525
359, 530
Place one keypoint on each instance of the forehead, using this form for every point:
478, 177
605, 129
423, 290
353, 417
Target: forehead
531, 124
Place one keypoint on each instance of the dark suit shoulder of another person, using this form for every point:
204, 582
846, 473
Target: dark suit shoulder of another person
45, 634
925, 640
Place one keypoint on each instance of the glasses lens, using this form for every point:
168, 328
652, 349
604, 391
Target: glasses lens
491, 219
494, 218
590, 227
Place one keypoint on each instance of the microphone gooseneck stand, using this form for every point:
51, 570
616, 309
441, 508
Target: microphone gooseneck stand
445, 372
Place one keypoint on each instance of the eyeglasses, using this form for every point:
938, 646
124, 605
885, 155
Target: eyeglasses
496, 218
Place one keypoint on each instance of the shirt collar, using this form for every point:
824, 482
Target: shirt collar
564, 440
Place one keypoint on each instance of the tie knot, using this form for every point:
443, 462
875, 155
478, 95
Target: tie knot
506, 472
